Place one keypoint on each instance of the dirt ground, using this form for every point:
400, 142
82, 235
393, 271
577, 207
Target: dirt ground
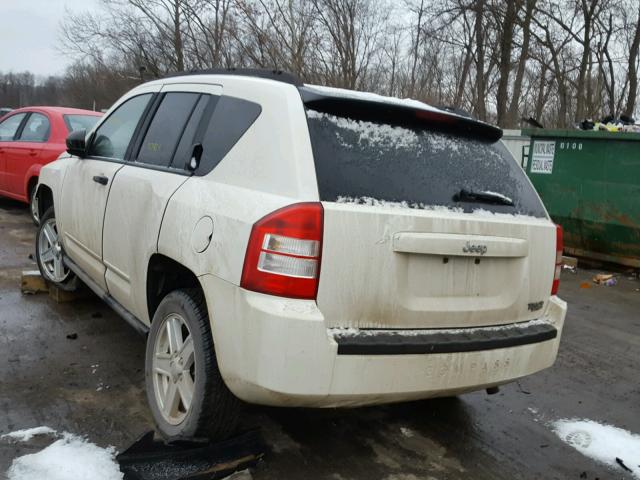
93, 386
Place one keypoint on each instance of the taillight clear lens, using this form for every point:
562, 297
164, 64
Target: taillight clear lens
283, 253
558, 268
291, 246
289, 266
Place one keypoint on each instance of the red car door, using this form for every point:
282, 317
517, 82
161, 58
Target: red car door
9, 127
26, 151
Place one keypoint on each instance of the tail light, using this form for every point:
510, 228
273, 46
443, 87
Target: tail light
558, 268
283, 254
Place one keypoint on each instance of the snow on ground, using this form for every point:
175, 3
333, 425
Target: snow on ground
69, 458
28, 434
603, 443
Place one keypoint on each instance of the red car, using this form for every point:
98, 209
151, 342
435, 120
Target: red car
30, 138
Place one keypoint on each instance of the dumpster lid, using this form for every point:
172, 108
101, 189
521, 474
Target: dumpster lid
574, 133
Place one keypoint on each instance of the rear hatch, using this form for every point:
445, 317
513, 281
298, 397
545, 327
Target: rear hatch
428, 220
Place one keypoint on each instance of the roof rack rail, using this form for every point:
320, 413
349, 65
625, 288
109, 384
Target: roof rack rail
277, 75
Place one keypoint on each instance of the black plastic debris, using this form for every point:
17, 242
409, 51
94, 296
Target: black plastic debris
621, 463
189, 459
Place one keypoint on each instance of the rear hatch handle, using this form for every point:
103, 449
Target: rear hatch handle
459, 245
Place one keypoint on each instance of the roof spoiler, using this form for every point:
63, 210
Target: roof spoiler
397, 113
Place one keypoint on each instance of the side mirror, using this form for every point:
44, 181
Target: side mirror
76, 143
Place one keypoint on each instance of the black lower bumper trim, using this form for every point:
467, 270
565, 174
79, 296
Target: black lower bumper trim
398, 342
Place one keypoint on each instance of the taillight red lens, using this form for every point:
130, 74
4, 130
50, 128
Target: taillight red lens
283, 254
558, 266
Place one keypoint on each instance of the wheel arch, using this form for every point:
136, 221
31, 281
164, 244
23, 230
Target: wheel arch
165, 275
45, 199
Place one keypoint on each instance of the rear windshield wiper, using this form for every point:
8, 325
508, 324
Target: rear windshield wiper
492, 198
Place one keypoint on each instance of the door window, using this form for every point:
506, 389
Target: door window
166, 128
36, 129
112, 138
191, 132
9, 127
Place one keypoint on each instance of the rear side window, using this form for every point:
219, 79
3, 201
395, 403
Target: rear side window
230, 120
112, 137
9, 127
166, 128
364, 162
80, 122
36, 129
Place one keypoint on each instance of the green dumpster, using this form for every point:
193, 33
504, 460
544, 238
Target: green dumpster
590, 183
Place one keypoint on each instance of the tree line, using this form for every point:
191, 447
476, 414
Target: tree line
556, 61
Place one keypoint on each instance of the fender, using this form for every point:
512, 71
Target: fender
52, 175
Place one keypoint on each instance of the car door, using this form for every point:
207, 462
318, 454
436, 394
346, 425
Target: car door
142, 188
25, 151
9, 128
88, 181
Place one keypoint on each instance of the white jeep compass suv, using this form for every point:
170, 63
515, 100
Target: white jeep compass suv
294, 245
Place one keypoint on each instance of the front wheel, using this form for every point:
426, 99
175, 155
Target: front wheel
49, 254
186, 393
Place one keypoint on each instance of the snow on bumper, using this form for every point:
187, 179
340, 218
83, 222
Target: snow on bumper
277, 351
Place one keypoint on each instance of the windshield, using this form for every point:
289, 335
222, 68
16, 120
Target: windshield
366, 162
79, 122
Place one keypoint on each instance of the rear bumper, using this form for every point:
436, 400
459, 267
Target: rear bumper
277, 351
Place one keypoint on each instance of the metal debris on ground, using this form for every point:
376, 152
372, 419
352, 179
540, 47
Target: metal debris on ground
189, 459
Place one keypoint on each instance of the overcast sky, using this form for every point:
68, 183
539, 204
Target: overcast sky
29, 33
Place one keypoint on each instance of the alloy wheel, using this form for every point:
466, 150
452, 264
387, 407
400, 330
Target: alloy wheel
33, 205
50, 253
173, 369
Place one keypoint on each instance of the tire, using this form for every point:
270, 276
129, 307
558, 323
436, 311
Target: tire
213, 411
49, 254
33, 206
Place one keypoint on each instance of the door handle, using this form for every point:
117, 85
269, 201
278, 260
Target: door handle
101, 179
33, 153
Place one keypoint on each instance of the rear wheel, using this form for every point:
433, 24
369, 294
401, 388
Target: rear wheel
33, 205
186, 393
49, 254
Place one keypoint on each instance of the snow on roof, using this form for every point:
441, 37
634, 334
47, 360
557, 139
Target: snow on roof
374, 97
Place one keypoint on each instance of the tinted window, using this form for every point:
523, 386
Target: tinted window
231, 118
36, 129
359, 160
113, 136
9, 126
166, 128
185, 146
80, 122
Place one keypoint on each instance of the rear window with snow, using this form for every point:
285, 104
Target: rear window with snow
367, 162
